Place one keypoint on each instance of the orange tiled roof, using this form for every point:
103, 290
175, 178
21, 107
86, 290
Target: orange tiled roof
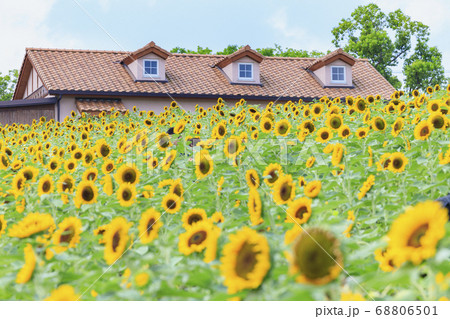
101, 72
332, 56
99, 105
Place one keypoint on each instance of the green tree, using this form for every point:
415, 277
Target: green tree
289, 52
384, 39
424, 67
200, 50
8, 84
231, 48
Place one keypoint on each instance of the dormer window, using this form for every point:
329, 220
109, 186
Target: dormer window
150, 68
246, 71
338, 74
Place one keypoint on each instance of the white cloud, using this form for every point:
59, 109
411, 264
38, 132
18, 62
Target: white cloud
295, 36
24, 23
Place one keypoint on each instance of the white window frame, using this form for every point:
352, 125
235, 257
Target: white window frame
145, 75
331, 74
245, 78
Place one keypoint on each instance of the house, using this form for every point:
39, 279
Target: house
54, 82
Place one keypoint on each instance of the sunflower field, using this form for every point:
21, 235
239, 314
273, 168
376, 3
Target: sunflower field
328, 200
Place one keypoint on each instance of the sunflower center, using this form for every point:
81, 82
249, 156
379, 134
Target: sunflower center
46, 186
150, 225
380, 124
104, 150
19, 185
285, 191
70, 166
397, 163
221, 131
67, 184
129, 176
53, 165
126, 194
232, 147
197, 238
194, 218
109, 167
424, 131
438, 122
171, 204
115, 241
324, 135
67, 235
204, 166
300, 212
87, 194
91, 176
246, 260
414, 239
273, 177
164, 142
282, 129
267, 126
88, 158
335, 123
345, 132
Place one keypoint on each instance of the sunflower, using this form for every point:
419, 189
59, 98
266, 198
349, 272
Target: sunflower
45, 185
127, 174
254, 207
283, 190
88, 158
65, 184
245, 261
334, 121
272, 173
299, 211
18, 183
115, 238
378, 123
179, 127
195, 238
434, 106
168, 160
344, 131
317, 109
31, 224
308, 125
3, 225
220, 130
68, 234
422, 130
415, 234
252, 178
233, 147
53, 165
149, 225
204, 164
163, 141
282, 128
30, 173
90, 174
102, 148
126, 194
362, 132
63, 293
360, 105
324, 135
310, 162
338, 152
25, 273
192, 216
312, 189
86, 193
398, 162
316, 257
437, 121
70, 165
107, 166
171, 203
266, 125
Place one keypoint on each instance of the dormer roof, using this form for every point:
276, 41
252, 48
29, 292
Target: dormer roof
338, 54
149, 48
242, 52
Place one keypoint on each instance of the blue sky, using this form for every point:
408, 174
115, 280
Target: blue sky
130, 25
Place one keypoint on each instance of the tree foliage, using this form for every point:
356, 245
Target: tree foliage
384, 39
277, 50
8, 84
